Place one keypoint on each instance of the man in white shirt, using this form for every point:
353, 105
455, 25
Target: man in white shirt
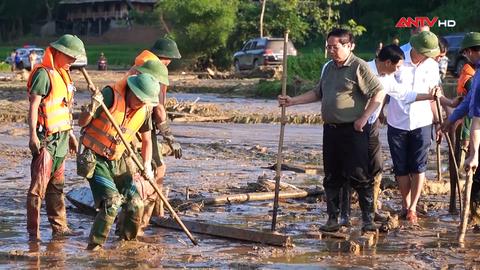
410, 124
389, 60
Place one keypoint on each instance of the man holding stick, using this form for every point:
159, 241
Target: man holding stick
349, 93
110, 180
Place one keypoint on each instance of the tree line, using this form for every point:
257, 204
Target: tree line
214, 29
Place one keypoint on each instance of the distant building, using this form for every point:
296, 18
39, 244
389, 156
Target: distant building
94, 17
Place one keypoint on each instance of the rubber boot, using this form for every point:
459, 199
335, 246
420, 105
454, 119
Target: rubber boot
332, 196
133, 218
34, 204
365, 199
345, 208
104, 220
55, 202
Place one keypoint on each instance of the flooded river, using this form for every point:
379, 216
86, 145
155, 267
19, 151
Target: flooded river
219, 158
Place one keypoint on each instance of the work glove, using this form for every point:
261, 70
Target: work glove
96, 102
166, 132
148, 172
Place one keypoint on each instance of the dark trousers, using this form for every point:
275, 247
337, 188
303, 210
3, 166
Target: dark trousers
475, 198
375, 167
346, 162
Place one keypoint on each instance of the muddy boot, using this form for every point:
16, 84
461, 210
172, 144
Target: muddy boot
345, 208
331, 225
365, 199
65, 233
104, 220
33, 217
119, 222
56, 212
133, 218
380, 218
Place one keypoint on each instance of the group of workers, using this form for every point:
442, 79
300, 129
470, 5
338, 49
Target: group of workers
136, 104
352, 94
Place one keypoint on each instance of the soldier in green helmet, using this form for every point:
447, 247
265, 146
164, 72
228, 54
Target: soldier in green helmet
51, 92
130, 103
164, 50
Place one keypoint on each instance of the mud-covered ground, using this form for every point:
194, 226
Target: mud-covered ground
219, 158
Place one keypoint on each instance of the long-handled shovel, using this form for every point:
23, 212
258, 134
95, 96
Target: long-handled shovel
278, 172
451, 149
132, 155
466, 207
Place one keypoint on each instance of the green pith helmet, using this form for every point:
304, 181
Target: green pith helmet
70, 45
425, 43
166, 48
471, 39
155, 68
145, 87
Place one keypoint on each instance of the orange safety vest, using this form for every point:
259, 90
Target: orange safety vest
467, 72
100, 135
54, 112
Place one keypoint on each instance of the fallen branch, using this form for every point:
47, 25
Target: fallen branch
261, 196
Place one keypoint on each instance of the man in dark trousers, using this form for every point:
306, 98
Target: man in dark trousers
349, 93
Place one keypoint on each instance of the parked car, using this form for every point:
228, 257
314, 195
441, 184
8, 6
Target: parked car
261, 51
456, 60
23, 53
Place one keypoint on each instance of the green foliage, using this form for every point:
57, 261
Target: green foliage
144, 18
461, 12
306, 66
4, 66
201, 27
268, 89
281, 15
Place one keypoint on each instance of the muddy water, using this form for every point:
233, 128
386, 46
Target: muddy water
218, 159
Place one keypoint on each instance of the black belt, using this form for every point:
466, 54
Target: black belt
340, 125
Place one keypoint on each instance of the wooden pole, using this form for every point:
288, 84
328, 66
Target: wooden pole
134, 157
261, 196
261, 17
451, 149
278, 173
439, 163
466, 207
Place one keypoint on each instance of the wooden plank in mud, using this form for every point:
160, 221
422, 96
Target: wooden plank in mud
267, 238
298, 168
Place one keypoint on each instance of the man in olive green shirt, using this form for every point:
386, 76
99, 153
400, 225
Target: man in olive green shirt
349, 93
